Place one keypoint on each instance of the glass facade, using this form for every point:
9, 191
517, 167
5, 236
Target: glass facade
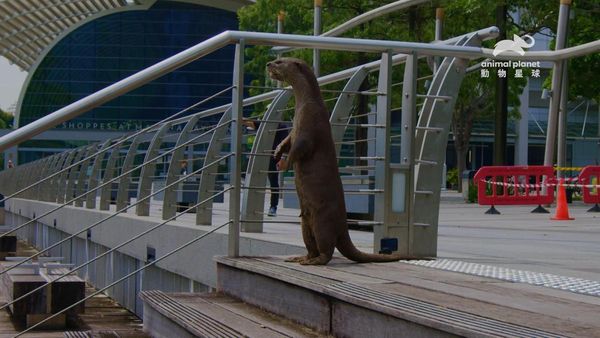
115, 46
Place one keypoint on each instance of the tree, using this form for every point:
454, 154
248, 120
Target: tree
417, 24
6, 119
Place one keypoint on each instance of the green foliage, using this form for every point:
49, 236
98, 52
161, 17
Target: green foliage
476, 96
452, 177
6, 119
472, 193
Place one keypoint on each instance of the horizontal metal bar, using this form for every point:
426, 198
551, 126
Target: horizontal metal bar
356, 116
268, 221
360, 125
356, 141
436, 97
365, 158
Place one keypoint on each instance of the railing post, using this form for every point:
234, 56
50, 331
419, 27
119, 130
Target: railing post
317, 32
237, 95
382, 148
409, 116
557, 79
439, 24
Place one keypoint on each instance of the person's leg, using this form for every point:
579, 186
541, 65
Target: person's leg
274, 185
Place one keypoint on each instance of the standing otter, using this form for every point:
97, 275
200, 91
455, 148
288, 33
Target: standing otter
311, 151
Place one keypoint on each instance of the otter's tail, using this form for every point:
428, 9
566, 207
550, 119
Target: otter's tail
347, 248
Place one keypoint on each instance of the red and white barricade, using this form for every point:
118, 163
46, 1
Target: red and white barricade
515, 185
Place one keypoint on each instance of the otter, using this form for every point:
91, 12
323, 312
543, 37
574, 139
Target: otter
311, 152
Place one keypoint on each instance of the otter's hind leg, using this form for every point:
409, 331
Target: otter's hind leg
309, 241
325, 245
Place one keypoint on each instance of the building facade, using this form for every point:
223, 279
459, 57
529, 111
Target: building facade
98, 43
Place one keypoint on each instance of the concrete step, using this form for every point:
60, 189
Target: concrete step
212, 315
403, 300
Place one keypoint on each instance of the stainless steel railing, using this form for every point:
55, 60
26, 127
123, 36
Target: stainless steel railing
69, 170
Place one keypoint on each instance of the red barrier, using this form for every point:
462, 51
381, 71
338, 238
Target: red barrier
515, 185
589, 176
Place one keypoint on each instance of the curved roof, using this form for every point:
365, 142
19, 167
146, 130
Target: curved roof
28, 27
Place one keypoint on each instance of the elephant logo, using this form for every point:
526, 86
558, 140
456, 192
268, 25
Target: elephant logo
515, 45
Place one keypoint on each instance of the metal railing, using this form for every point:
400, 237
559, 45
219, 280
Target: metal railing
67, 178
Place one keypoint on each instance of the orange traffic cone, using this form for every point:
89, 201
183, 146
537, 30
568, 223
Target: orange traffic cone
562, 210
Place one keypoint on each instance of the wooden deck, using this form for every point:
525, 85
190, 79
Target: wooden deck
103, 316
453, 303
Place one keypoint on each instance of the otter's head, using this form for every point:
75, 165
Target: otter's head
284, 69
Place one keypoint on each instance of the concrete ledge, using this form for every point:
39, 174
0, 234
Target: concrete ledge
194, 263
353, 321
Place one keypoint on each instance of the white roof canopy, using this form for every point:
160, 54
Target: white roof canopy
27, 27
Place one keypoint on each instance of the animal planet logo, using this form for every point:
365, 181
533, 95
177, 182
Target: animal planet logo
515, 45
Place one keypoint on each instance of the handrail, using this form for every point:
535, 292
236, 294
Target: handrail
483, 34
111, 180
255, 38
124, 139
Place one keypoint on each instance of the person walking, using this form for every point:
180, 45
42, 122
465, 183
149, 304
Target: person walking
281, 133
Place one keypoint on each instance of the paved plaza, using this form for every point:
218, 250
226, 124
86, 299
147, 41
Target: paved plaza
516, 238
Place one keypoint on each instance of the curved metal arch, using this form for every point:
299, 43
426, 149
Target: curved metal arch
62, 183
90, 199
10, 182
124, 182
83, 175
57, 181
208, 175
31, 175
343, 106
253, 200
145, 185
170, 193
46, 187
44, 172
25, 178
109, 173
74, 173
432, 131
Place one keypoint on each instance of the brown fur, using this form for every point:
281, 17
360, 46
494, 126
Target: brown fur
311, 151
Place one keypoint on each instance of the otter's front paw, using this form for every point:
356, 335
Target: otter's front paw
278, 152
282, 165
